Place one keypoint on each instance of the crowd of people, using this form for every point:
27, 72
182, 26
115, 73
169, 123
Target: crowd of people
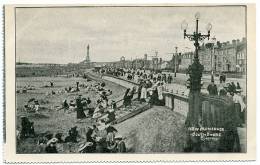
146, 91
232, 91
94, 139
101, 137
138, 74
150, 85
101, 109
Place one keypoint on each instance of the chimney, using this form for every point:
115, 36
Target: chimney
244, 39
238, 41
228, 42
234, 42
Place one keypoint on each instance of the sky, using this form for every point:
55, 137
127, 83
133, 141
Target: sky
61, 35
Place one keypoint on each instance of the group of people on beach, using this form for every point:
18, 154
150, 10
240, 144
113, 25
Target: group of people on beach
100, 107
103, 138
99, 138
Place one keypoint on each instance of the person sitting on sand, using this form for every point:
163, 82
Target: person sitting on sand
72, 106
113, 105
64, 106
100, 145
88, 101
120, 144
110, 116
30, 106
109, 92
73, 134
36, 106
85, 147
91, 148
52, 84
104, 102
110, 139
51, 146
27, 128
98, 111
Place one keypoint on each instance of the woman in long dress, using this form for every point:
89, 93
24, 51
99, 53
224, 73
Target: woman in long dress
160, 91
144, 92
127, 100
80, 111
154, 97
239, 105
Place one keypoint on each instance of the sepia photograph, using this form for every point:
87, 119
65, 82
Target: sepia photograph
131, 79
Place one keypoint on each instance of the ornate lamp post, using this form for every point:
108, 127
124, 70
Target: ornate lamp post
212, 59
175, 60
195, 74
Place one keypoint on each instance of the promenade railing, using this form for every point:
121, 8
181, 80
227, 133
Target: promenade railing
213, 108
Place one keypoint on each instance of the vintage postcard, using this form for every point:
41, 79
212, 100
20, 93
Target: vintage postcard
100, 83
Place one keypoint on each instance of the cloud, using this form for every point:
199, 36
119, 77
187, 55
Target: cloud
60, 35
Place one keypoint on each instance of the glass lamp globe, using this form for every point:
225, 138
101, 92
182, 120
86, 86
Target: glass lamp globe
209, 27
184, 25
197, 15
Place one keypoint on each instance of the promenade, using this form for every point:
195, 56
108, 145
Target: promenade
134, 128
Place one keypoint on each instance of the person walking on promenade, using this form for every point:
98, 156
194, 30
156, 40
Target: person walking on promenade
144, 92
212, 89
169, 79
160, 91
139, 90
126, 99
238, 86
164, 78
233, 87
239, 105
159, 77
132, 92
154, 97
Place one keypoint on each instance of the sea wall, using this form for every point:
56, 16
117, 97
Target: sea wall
119, 81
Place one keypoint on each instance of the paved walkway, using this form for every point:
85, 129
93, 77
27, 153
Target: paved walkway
182, 78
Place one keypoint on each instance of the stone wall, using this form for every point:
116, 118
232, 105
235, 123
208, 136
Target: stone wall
120, 81
177, 103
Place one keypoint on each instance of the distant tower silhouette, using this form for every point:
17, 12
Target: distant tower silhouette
87, 58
